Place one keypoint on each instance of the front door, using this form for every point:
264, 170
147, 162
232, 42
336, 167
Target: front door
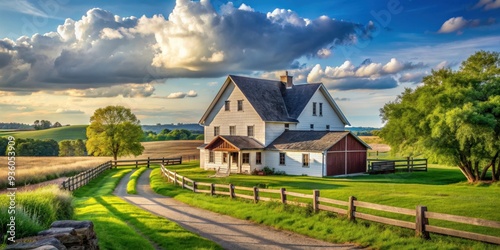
234, 162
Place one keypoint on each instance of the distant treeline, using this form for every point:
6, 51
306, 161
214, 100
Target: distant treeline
31, 147
14, 125
176, 134
47, 147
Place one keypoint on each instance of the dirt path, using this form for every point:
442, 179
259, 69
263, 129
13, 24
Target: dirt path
227, 231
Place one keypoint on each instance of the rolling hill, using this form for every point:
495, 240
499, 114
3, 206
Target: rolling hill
63, 133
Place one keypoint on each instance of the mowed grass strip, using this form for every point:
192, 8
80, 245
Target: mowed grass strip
132, 182
387, 190
120, 225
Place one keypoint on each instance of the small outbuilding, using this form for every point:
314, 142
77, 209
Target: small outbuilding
330, 152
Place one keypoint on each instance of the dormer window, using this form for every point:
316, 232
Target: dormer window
314, 108
240, 105
227, 105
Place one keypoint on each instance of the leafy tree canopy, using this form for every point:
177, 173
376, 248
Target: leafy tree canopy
114, 130
453, 118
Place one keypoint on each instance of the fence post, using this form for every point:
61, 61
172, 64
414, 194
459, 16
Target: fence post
194, 186
255, 195
136, 164
315, 200
181, 160
408, 164
148, 162
231, 191
183, 182
283, 195
212, 189
425, 165
175, 178
351, 209
163, 160
420, 222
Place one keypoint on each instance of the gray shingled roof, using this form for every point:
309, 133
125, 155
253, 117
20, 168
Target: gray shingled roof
241, 142
265, 97
307, 140
273, 101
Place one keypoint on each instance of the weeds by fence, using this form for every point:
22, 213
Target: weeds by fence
420, 225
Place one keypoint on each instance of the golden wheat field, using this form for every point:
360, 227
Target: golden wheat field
31, 170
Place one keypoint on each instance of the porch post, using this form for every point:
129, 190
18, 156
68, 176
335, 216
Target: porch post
240, 162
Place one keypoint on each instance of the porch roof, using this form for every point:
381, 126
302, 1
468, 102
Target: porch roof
233, 143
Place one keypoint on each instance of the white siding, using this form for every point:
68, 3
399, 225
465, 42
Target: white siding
329, 116
293, 163
241, 119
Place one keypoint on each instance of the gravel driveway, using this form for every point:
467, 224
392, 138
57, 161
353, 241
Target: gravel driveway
227, 231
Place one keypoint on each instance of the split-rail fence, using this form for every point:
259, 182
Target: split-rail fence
421, 223
83, 178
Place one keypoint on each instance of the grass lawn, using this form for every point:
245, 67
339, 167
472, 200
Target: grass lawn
62, 133
441, 189
132, 182
120, 225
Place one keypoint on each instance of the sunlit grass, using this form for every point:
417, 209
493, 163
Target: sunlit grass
120, 225
131, 185
441, 189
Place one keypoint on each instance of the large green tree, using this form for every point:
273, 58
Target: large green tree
114, 130
454, 117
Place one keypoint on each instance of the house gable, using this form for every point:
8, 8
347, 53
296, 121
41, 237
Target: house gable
327, 117
232, 119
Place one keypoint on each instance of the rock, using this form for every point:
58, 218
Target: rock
47, 243
62, 230
73, 223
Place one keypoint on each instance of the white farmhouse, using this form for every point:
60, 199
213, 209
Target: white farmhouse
299, 129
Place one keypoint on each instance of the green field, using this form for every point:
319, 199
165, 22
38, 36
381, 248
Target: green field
62, 133
120, 225
442, 189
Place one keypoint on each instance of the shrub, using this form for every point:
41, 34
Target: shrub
36, 210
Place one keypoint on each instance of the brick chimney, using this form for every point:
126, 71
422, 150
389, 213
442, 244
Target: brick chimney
287, 80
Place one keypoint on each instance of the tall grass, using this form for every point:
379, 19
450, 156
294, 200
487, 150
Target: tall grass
32, 170
36, 210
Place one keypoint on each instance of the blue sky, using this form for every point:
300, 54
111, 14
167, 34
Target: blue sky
60, 60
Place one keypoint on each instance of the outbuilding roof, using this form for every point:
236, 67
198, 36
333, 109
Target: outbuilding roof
309, 140
238, 142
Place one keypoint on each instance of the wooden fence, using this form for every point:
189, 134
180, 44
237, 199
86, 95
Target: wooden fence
83, 178
420, 225
147, 162
407, 165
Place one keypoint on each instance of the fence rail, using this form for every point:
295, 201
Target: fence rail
83, 178
147, 162
407, 165
420, 224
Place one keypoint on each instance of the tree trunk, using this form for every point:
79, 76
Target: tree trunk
466, 171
